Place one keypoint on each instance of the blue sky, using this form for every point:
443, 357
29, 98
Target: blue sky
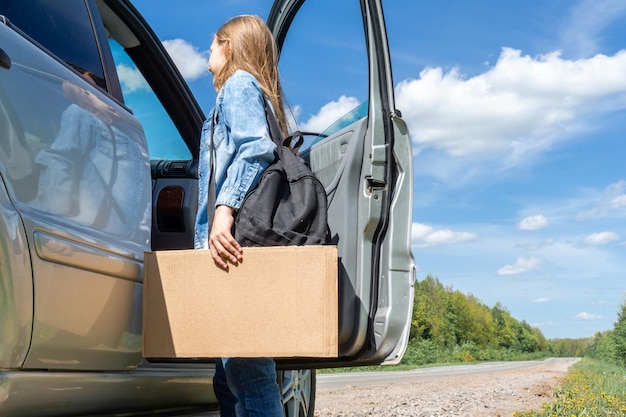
517, 117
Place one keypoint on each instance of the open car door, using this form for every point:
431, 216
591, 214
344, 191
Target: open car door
364, 161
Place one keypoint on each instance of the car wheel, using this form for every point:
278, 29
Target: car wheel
298, 392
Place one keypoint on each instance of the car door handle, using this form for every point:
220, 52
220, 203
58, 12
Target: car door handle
5, 60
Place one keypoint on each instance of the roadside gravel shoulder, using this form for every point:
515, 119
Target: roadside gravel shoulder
489, 394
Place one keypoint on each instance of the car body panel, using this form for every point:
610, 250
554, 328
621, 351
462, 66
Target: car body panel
52, 393
16, 297
85, 247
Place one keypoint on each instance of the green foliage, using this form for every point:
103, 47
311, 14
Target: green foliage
505, 336
566, 348
602, 347
618, 336
527, 337
423, 352
426, 352
592, 388
449, 326
610, 346
431, 313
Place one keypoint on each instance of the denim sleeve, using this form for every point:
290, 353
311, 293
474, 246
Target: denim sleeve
246, 125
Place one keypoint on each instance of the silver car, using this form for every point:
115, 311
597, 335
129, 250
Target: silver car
92, 177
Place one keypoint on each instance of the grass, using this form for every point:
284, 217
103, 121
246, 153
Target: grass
591, 389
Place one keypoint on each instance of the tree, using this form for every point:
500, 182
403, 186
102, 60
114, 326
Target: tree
602, 347
619, 337
527, 340
474, 321
430, 313
505, 336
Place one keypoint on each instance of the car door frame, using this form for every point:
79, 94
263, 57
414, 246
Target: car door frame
392, 270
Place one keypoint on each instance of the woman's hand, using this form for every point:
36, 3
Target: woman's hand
223, 245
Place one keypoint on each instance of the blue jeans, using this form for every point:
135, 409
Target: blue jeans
247, 387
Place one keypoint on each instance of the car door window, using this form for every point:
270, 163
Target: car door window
336, 72
62, 27
164, 139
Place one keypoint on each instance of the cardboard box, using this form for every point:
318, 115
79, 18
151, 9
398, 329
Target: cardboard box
279, 302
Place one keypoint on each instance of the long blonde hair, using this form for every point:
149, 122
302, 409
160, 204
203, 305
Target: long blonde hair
253, 49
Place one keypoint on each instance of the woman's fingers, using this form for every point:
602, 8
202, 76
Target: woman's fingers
217, 258
225, 249
223, 245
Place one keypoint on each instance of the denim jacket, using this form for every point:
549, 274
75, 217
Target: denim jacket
243, 148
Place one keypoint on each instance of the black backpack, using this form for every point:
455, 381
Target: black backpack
288, 206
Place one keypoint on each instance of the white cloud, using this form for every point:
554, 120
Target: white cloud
423, 236
520, 106
601, 238
610, 202
542, 300
191, 63
329, 113
533, 223
131, 79
587, 316
520, 266
581, 32
618, 202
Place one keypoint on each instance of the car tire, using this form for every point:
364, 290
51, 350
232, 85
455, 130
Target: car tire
298, 392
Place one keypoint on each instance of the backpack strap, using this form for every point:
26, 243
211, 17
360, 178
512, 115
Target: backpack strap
277, 135
272, 123
212, 192
295, 147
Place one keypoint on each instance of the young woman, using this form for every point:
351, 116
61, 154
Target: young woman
243, 63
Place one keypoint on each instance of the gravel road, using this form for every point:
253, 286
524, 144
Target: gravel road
495, 393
